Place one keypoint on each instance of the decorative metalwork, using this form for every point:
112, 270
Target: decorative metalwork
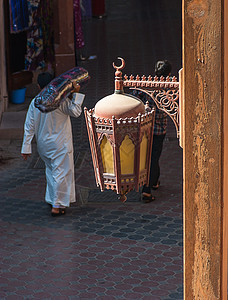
121, 136
163, 91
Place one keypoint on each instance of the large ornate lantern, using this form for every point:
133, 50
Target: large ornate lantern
120, 133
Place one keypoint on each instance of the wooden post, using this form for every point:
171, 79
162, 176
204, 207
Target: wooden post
225, 152
205, 149
64, 36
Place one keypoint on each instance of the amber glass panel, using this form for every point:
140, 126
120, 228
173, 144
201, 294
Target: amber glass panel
143, 153
107, 156
127, 154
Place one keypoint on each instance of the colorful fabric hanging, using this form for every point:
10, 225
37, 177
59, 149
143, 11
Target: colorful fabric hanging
19, 16
79, 38
40, 36
35, 56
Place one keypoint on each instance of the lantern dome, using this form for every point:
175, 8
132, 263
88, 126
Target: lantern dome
119, 105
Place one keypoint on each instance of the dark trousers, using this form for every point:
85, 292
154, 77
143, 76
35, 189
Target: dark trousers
154, 166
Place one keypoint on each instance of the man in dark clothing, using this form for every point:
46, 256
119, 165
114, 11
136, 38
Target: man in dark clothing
162, 68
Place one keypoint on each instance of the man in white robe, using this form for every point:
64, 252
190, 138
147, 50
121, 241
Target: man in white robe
53, 134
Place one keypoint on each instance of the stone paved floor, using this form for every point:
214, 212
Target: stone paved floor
102, 248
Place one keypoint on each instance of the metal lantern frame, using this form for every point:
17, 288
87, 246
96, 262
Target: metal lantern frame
115, 130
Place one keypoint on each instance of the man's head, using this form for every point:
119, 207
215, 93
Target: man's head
163, 68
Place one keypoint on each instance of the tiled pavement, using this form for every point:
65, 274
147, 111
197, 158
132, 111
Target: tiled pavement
102, 248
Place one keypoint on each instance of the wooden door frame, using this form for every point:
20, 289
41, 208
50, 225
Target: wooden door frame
225, 152
205, 153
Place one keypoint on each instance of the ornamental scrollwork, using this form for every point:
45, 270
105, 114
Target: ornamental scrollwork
163, 91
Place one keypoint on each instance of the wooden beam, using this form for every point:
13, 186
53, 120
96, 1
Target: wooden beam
204, 259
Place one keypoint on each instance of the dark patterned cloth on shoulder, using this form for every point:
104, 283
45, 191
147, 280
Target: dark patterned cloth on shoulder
52, 95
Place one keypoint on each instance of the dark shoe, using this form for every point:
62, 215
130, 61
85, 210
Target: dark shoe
147, 199
155, 187
62, 211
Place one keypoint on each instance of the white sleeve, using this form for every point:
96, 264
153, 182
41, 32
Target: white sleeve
73, 107
29, 131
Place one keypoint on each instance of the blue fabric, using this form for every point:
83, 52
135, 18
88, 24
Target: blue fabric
86, 8
19, 16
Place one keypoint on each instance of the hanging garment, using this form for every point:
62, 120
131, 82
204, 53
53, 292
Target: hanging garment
19, 17
40, 36
34, 58
86, 8
98, 8
79, 38
54, 144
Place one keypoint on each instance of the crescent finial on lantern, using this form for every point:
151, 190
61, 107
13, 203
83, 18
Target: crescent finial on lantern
121, 66
118, 77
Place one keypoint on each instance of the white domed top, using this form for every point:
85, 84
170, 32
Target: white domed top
119, 105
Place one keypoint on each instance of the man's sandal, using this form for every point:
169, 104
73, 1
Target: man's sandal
62, 211
147, 199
